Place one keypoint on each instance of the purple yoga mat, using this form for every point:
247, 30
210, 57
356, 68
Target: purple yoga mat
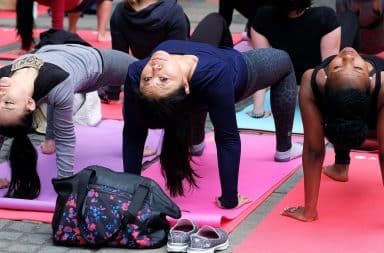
100, 145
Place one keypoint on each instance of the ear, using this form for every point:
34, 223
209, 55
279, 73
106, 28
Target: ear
186, 88
31, 105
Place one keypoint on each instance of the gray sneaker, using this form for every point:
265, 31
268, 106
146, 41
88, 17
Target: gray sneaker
208, 240
179, 235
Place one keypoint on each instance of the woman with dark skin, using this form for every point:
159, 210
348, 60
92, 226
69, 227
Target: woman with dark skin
342, 100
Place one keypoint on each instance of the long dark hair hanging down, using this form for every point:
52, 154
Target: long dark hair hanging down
25, 182
25, 22
171, 114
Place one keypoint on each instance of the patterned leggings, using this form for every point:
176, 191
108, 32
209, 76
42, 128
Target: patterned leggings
268, 67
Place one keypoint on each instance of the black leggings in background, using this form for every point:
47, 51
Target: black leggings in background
350, 31
213, 29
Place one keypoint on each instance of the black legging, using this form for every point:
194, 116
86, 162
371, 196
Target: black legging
350, 31
247, 8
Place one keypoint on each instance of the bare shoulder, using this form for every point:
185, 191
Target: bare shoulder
305, 84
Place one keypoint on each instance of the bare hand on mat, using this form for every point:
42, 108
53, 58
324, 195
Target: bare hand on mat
242, 200
148, 151
4, 183
48, 147
298, 213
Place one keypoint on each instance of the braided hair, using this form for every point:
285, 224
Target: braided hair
346, 116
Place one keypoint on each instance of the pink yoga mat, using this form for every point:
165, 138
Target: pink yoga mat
91, 37
350, 216
95, 145
9, 36
259, 176
113, 110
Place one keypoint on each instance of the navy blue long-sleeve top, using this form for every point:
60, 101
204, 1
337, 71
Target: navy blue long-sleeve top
216, 84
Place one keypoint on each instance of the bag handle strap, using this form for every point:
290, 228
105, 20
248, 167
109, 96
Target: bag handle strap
84, 179
136, 204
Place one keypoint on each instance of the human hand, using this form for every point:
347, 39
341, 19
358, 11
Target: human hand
48, 147
4, 183
148, 151
298, 213
242, 200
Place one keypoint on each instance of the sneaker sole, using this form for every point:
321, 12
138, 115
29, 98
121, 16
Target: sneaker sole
176, 248
222, 246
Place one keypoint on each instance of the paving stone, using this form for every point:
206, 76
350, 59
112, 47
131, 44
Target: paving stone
23, 226
52, 249
39, 239
28, 248
5, 235
4, 244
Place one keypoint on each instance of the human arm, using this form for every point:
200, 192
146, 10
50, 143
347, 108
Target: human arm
380, 129
223, 116
117, 36
313, 152
258, 40
330, 43
134, 133
57, 10
178, 27
61, 100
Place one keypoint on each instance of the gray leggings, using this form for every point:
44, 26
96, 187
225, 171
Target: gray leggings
267, 67
115, 67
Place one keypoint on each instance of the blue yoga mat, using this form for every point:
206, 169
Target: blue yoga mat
266, 124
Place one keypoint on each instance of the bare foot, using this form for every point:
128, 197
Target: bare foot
242, 200
104, 37
298, 213
149, 151
4, 183
338, 172
48, 147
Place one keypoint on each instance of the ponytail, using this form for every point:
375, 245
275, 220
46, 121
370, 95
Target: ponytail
25, 22
25, 182
171, 114
175, 157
